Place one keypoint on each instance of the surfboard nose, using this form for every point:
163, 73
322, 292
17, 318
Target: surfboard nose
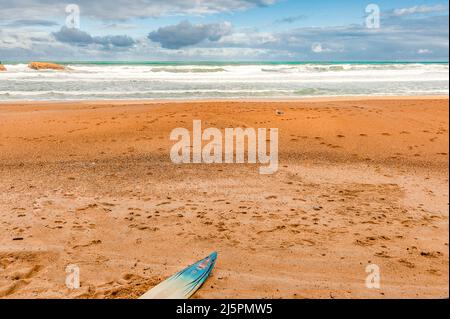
213, 256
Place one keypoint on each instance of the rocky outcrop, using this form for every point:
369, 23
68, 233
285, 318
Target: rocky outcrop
2, 67
45, 66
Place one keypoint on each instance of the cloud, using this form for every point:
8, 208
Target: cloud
125, 9
122, 41
31, 22
291, 19
398, 38
318, 48
119, 26
73, 36
78, 37
404, 37
419, 9
424, 51
186, 34
395, 40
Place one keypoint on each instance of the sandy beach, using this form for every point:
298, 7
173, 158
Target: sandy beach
361, 181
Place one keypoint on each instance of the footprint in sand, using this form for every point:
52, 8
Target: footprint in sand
18, 268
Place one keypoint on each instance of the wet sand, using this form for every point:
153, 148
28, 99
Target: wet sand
361, 181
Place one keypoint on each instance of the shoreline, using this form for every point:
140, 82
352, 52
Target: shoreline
244, 100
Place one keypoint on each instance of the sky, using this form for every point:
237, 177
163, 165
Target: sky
224, 30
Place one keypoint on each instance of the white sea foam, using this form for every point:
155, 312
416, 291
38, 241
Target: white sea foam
115, 81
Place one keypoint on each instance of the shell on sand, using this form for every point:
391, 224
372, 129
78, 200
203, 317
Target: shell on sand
2, 67
45, 66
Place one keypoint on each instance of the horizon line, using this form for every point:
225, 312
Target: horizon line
222, 61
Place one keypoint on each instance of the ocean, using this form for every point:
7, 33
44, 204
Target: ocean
211, 80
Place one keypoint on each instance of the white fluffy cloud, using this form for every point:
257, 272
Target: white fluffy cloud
424, 51
318, 48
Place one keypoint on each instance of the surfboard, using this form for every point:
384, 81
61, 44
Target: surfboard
185, 283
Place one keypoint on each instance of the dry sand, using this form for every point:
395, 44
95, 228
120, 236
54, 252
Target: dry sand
361, 181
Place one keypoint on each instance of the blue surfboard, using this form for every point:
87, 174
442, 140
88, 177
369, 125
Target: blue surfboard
185, 283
